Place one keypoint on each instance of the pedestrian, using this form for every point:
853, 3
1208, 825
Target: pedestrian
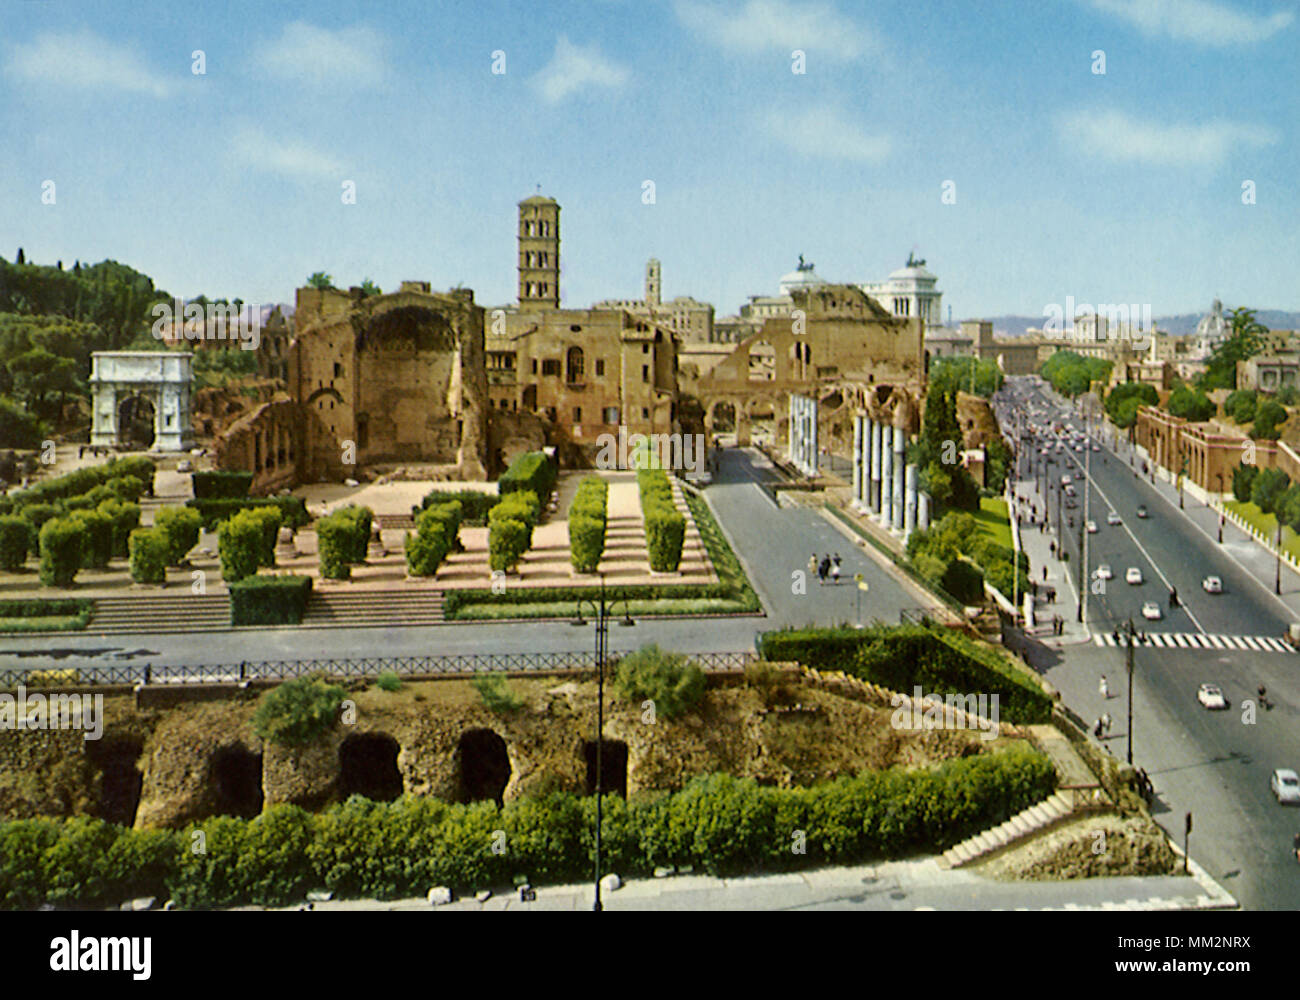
812, 564
823, 568
1104, 687
1096, 729
1105, 723
1044, 574
835, 567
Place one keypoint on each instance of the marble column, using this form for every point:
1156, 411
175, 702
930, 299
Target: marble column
857, 460
886, 476
923, 511
876, 453
897, 468
910, 481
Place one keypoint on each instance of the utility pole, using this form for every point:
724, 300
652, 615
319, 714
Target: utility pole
1083, 534
1131, 635
1277, 580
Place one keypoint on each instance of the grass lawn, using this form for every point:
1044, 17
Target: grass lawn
994, 520
1266, 523
43, 623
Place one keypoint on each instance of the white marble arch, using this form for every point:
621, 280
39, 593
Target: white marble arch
163, 378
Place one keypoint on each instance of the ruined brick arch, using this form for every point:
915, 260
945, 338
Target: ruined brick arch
327, 390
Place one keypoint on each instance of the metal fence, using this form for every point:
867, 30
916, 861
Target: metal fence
370, 666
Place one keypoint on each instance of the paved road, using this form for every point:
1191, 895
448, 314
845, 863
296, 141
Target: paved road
1214, 764
772, 542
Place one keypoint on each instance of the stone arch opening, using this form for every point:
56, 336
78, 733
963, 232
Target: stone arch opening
120, 777
484, 766
613, 767
574, 363
237, 782
762, 361
368, 767
723, 416
136, 418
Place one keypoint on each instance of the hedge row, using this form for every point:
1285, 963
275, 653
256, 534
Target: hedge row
510, 528
720, 824
247, 541
437, 531
269, 600
587, 519
903, 656
82, 481
343, 538
454, 600
293, 511
221, 484
665, 528
533, 472
80, 609
181, 527
474, 505
150, 552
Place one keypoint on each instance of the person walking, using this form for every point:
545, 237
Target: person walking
823, 568
1104, 687
1105, 723
812, 564
835, 568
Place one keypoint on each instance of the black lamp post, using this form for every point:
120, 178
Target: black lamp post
602, 612
1219, 476
1132, 635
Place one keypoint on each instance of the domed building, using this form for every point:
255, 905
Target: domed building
1213, 329
802, 278
910, 291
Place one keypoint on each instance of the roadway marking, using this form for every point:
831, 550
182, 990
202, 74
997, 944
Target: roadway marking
1203, 640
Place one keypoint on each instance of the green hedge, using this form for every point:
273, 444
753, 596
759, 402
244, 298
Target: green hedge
507, 543
239, 544
97, 538
150, 551
533, 472
83, 481
436, 533
474, 504
126, 518
221, 484
334, 545
903, 656
45, 607
293, 511
127, 488
587, 521
357, 538
269, 600
268, 520
719, 824
665, 528
15, 540
61, 547
181, 526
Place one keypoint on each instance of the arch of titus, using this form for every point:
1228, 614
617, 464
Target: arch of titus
162, 378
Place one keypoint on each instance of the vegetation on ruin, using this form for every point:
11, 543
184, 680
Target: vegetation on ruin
672, 681
299, 711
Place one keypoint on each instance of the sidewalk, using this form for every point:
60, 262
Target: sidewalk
1060, 575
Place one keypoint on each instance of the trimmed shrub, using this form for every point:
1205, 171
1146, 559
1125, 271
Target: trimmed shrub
221, 484
38, 515
964, 581
126, 518
334, 541
149, 549
268, 520
587, 522
671, 680
436, 534
128, 488
533, 471
388, 681
97, 543
239, 544
269, 600
665, 528
181, 526
297, 712
61, 552
474, 504
507, 543
292, 509
138, 465
358, 521
15, 540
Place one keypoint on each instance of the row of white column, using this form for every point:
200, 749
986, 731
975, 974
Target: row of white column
802, 449
884, 485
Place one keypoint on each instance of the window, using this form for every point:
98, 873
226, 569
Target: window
534, 366
645, 348
645, 413
550, 366
577, 414
574, 363
645, 373
610, 415
600, 367
338, 370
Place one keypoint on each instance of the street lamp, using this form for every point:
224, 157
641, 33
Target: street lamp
1219, 477
1277, 580
602, 613
1130, 634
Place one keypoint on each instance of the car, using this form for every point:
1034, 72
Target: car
1212, 585
1285, 786
1065, 480
1104, 572
1211, 696
1151, 611
1112, 518
1142, 512
1133, 575
185, 466
1096, 447
1092, 527
1069, 491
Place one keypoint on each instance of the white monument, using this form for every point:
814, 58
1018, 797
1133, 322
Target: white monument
129, 387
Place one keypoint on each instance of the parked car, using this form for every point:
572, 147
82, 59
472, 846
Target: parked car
1142, 511
1210, 696
1212, 585
1104, 572
1151, 611
1285, 786
1133, 575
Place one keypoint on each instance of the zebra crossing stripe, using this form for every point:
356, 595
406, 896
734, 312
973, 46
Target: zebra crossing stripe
1236, 641
1215, 641
1251, 643
1277, 645
1181, 639
1188, 640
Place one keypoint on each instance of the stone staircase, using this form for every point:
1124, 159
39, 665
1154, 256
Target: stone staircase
363, 608
182, 612
1034, 820
395, 522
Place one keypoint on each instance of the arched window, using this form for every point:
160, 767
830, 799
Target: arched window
573, 364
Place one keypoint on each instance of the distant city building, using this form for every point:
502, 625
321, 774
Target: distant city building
689, 319
909, 292
1213, 329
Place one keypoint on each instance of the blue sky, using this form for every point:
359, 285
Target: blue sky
1122, 187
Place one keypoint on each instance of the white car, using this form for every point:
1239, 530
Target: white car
1112, 518
1065, 480
1212, 585
1133, 575
1092, 527
1211, 697
1285, 786
1151, 611
1104, 572
1096, 447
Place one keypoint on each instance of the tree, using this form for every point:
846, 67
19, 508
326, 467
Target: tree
21, 258
368, 287
1243, 481
1268, 418
953, 373
1190, 404
1268, 488
1123, 401
320, 280
42, 381
1241, 405
1071, 374
1245, 341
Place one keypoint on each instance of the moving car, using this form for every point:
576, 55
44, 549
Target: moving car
1142, 511
1112, 518
1092, 527
1133, 575
1151, 610
1065, 480
1104, 572
185, 466
1211, 697
1212, 585
1285, 786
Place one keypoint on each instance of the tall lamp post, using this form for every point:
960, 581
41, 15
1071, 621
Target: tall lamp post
1219, 477
1131, 635
602, 612
1277, 580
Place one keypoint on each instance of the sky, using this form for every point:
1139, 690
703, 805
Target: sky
724, 139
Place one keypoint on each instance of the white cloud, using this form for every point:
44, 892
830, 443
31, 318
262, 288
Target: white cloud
84, 61
1205, 22
574, 68
258, 149
825, 132
350, 57
1120, 138
780, 26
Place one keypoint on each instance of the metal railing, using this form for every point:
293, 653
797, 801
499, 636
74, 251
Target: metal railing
370, 666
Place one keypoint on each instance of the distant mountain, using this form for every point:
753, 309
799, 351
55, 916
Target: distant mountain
1185, 323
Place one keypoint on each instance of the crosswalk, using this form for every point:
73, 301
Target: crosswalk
1198, 640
